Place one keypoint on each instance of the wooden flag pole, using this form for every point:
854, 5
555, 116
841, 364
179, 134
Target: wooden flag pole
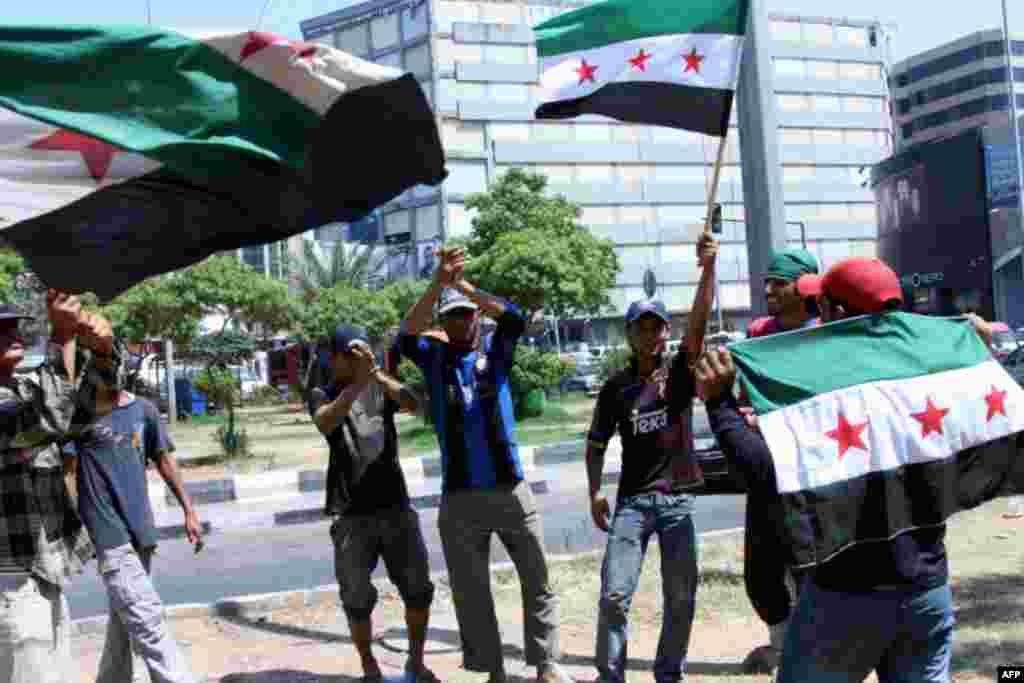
716, 174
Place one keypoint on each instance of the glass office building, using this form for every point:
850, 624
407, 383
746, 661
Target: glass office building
955, 87
643, 187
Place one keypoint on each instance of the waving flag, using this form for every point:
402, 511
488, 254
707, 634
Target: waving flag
663, 62
881, 424
127, 152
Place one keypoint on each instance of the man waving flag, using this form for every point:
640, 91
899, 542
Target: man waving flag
127, 152
661, 62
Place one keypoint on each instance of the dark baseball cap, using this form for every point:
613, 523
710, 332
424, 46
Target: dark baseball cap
12, 312
866, 285
343, 337
638, 309
452, 299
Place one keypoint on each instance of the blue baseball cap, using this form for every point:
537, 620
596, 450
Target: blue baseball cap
638, 309
343, 336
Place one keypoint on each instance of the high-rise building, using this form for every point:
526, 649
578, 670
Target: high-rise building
643, 187
957, 86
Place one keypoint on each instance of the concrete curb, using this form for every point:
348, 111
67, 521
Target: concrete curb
262, 604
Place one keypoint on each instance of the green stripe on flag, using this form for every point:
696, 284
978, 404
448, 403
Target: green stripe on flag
154, 92
616, 21
784, 369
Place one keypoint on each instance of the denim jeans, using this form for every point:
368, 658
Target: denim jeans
904, 636
137, 630
35, 632
636, 519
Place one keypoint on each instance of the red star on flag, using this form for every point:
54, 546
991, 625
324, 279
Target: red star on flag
640, 61
996, 401
693, 61
259, 40
931, 419
586, 72
96, 154
848, 435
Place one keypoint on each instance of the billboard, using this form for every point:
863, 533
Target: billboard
933, 215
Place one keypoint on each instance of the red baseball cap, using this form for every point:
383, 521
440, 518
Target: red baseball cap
865, 285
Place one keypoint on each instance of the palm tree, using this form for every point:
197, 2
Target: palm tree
355, 264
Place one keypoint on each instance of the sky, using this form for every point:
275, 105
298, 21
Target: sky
919, 26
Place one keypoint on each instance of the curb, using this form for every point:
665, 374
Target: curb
261, 604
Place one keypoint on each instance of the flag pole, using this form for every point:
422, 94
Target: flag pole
716, 175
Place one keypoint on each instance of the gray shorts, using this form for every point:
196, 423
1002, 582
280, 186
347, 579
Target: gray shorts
360, 541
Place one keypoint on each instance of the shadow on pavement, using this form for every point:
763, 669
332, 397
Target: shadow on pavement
286, 630
289, 676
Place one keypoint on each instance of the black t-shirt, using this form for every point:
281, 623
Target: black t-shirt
653, 419
363, 475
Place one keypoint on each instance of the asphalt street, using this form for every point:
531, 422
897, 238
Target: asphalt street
255, 561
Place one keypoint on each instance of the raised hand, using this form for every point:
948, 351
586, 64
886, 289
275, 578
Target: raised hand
365, 362
64, 311
96, 333
715, 374
707, 250
453, 263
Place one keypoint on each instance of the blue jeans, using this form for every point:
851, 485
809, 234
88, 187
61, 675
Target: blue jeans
906, 637
636, 519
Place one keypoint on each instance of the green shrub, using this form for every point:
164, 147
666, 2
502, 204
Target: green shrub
535, 370
219, 385
266, 395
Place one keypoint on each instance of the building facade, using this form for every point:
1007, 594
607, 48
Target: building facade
955, 87
643, 187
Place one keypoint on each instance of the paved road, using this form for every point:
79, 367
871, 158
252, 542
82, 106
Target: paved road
288, 558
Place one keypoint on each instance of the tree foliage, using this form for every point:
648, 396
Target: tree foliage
403, 294
346, 304
356, 265
529, 248
11, 265
534, 369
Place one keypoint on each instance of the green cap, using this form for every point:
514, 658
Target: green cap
789, 265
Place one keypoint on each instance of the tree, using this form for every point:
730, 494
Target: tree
11, 265
241, 294
403, 294
217, 351
529, 248
355, 265
344, 303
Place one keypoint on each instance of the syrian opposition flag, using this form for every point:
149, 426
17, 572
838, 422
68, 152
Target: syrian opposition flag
882, 424
662, 62
127, 152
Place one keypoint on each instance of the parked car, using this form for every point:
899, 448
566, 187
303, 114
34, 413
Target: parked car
1004, 341
1014, 364
718, 478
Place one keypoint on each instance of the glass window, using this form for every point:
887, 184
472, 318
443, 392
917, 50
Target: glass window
687, 215
463, 136
397, 222
460, 220
834, 212
635, 259
599, 215
686, 174
391, 59
636, 215
466, 177
802, 212
826, 71
443, 53
451, 12
536, 14
826, 136
384, 31
864, 249
467, 53
786, 31
447, 89
468, 90
428, 222
790, 68
854, 36
505, 54
819, 34
414, 21
861, 138
628, 133
551, 132
558, 175
857, 71
417, 60
797, 174
864, 213
510, 132
832, 252
832, 174
871, 105
826, 103
794, 102
593, 132
633, 177
500, 13
355, 40
594, 173
795, 136
508, 92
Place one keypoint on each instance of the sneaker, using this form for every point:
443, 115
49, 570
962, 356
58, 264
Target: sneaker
762, 660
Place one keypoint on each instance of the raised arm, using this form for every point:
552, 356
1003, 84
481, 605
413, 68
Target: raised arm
696, 326
491, 305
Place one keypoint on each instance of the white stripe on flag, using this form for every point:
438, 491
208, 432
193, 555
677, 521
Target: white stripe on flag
806, 458
719, 55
